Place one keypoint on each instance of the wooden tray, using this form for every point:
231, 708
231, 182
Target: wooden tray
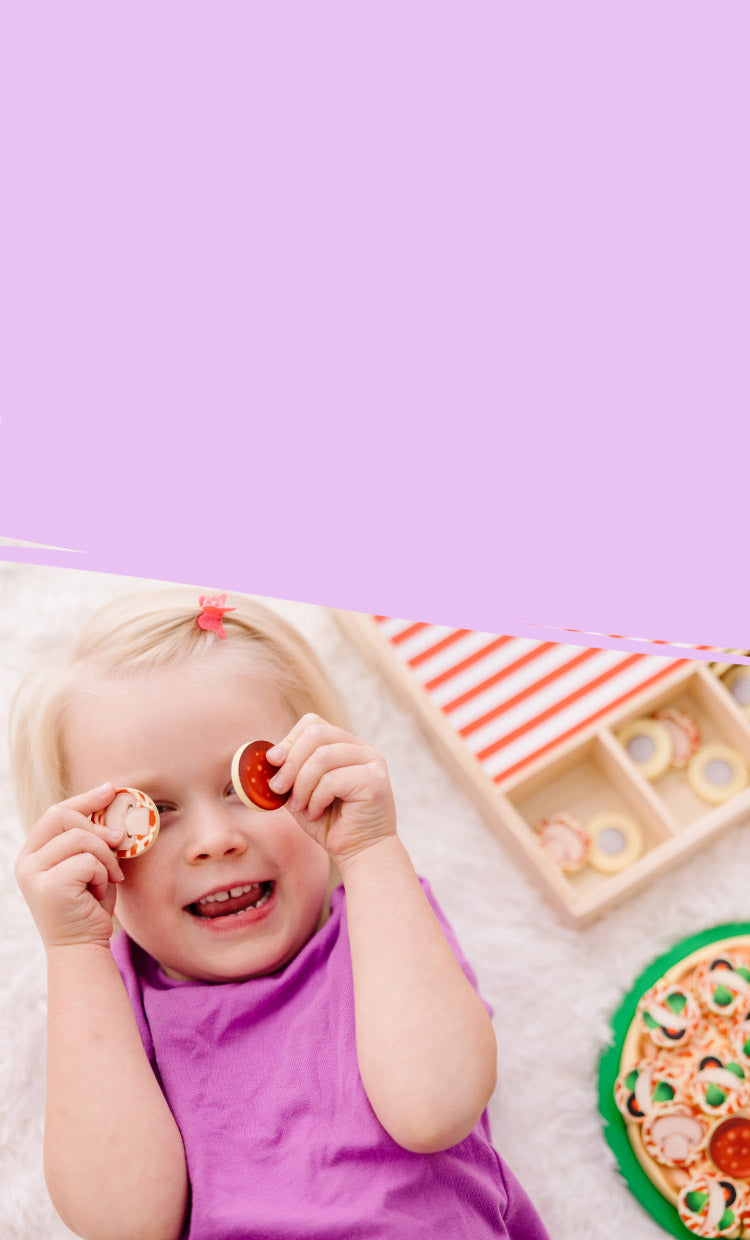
528, 729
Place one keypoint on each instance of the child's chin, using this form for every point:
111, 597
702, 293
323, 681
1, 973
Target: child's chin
217, 976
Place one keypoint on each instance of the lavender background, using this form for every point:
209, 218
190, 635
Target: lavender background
432, 309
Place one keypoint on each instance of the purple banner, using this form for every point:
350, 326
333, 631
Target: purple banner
431, 310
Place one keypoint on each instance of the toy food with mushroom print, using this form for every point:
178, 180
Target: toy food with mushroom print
719, 1087
670, 1014
710, 1206
675, 1134
136, 814
649, 1084
723, 986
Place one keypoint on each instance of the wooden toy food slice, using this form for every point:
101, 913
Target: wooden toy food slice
675, 1135
251, 772
669, 1014
650, 1084
709, 1206
719, 1088
716, 773
683, 732
723, 986
136, 813
616, 841
563, 837
648, 744
729, 1146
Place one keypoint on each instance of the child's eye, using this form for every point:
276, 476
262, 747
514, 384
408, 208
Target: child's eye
163, 809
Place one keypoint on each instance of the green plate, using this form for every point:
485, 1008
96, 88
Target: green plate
615, 1129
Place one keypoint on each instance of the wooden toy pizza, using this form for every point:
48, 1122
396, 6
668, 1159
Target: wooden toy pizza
136, 813
674, 1088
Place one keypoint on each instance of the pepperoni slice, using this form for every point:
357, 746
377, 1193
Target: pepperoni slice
729, 1146
251, 772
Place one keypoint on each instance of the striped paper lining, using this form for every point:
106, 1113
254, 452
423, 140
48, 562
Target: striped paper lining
513, 699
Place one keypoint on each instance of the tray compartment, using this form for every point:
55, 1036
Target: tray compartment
591, 779
720, 722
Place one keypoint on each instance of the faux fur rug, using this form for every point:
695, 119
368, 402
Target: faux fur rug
553, 988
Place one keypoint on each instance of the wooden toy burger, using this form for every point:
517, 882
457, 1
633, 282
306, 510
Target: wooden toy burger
675, 1086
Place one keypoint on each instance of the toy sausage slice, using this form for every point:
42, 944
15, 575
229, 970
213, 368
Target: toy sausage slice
251, 772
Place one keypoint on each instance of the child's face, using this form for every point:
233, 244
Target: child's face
172, 733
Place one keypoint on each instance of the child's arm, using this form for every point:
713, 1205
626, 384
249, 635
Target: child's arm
425, 1043
113, 1156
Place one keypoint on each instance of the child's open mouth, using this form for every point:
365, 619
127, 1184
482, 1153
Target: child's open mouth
232, 900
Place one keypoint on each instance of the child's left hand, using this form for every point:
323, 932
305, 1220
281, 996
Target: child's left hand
341, 791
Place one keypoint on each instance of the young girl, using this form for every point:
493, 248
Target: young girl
285, 1041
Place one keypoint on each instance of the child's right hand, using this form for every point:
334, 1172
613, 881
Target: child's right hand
68, 872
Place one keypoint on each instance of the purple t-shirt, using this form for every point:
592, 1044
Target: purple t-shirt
280, 1138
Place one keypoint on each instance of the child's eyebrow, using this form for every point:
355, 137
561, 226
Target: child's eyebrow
164, 783
145, 782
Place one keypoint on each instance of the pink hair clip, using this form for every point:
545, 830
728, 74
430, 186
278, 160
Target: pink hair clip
212, 610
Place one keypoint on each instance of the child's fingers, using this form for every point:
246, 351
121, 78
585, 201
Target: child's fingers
313, 729
70, 844
42, 871
345, 783
279, 753
75, 812
323, 760
86, 802
81, 872
310, 733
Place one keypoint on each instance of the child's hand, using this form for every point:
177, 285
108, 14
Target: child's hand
341, 791
68, 872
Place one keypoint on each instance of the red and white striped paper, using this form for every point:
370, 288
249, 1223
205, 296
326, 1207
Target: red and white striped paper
512, 699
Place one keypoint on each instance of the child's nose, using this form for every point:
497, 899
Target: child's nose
215, 833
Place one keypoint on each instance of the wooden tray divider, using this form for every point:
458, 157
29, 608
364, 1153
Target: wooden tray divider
626, 776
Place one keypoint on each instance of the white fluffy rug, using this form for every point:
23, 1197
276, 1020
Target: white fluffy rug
553, 988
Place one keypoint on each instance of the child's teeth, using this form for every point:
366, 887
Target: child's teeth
259, 893
225, 895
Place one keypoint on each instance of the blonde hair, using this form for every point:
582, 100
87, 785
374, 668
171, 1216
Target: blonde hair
137, 634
